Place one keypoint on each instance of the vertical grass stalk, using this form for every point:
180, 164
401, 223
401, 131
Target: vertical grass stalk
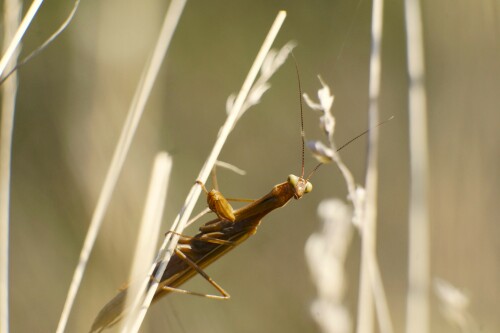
365, 320
134, 115
417, 316
146, 244
15, 40
12, 14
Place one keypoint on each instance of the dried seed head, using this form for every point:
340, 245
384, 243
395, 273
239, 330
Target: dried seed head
321, 152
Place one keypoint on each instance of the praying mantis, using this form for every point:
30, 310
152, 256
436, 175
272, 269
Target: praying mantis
215, 238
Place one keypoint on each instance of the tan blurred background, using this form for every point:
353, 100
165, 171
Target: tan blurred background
73, 99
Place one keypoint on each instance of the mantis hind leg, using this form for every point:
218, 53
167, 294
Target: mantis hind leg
224, 294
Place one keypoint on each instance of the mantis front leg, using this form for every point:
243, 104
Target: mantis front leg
218, 203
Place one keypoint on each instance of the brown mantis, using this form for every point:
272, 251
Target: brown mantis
216, 238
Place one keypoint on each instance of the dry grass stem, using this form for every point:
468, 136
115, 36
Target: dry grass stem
356, 194
369, 288
231, 167
327, 154
126, 136
273, 61
49, 40
146, 246
15, 40
326, 249
417, 317
14, 33
12, 15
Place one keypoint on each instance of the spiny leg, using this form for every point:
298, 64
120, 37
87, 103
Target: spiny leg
187, 239
224, 294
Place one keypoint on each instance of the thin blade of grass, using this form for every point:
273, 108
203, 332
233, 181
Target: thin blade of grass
134, 115
370, 282
231, 167
417, 316
150, 226
49, 40
16, 39
12, 16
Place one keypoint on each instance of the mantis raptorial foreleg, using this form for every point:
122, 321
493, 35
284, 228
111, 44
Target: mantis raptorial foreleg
219, 204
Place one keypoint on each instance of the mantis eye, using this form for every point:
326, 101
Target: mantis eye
309, 188
292, 179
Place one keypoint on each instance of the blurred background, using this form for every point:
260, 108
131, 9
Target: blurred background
73, 100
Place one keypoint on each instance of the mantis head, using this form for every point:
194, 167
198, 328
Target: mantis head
300, 186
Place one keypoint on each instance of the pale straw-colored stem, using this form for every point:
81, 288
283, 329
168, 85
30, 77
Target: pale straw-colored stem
12, 14
16, 39
381, 305
370, 282
135, 112
170, 241
348, 177
42, 47
146, 242
417, 316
